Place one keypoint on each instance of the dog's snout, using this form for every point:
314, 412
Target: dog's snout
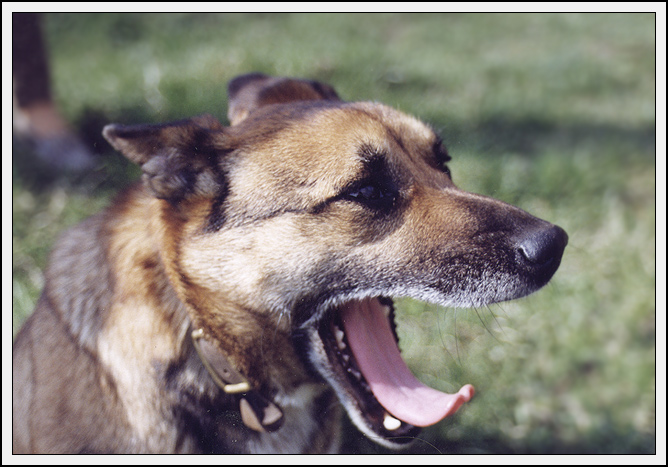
543, 247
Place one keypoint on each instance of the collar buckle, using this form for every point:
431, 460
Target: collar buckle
220, 369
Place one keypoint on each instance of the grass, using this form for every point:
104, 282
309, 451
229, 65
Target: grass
551, 112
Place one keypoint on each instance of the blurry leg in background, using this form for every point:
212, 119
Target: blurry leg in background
35, 117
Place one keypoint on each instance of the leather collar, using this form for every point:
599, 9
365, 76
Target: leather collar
257, 412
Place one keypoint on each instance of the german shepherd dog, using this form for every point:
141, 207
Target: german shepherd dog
241, 295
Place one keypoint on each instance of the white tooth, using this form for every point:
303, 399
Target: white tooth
355, 373
390, 423
345, 357
386, 310
338, 334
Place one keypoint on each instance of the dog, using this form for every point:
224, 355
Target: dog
239, 298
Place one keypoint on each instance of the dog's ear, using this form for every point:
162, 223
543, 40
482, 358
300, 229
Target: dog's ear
177, 159
252, 91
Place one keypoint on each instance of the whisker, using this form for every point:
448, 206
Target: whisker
456, 358
485, 325
496, 321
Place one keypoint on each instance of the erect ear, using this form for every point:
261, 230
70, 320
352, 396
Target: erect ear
252, 91
177, 159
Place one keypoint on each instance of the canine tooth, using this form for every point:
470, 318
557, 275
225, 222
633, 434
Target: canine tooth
390, 423
386, 310
338, 334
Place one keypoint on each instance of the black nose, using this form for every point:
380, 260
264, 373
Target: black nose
541, 248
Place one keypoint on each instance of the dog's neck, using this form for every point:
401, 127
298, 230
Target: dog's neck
257, 412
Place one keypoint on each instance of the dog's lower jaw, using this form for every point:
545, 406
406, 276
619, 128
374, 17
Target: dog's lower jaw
354, 348
318, 355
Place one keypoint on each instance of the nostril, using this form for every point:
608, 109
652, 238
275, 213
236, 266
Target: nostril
544, 246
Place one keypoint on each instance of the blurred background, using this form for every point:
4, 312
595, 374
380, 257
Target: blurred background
554, 113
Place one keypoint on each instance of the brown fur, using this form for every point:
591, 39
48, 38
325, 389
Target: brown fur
252, 233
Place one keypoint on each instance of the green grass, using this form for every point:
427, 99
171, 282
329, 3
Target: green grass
553, 113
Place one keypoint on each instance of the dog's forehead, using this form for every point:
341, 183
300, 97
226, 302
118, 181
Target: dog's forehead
338, 133
297, 130
373, 124
325, 146
396, 120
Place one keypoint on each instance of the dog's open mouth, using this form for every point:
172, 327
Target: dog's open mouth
356, 351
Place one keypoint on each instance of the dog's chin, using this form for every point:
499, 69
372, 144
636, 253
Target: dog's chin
354, 347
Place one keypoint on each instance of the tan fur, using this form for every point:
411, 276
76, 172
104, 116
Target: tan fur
251, 233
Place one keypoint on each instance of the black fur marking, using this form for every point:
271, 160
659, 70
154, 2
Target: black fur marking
217, 216
199, 415
375, 188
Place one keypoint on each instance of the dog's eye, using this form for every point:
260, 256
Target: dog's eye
367, 192
373, 195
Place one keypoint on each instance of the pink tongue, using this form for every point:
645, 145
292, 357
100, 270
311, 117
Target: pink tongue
393, 384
